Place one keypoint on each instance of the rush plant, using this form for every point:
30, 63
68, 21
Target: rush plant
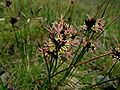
65, 48
77, 51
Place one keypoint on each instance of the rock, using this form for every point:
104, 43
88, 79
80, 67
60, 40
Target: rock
105, 86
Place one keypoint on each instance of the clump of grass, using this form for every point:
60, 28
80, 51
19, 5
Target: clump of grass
58, 43
39, 53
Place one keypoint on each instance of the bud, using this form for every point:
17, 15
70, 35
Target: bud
72, 1
13, 20
90, 22
8, 3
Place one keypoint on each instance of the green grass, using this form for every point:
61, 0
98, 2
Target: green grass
19, 54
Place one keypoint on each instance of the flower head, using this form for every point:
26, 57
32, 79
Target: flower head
93, 24
116, 53
13, 20
99, 26
71, 1
62, 37
90, 21
8, 3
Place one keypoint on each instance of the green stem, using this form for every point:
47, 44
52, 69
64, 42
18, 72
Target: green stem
48, 70
79, 57
58, 67
81, 63
16, 38
56, 62
51, 64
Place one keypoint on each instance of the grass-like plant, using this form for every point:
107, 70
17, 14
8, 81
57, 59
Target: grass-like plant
65, 48
42, 52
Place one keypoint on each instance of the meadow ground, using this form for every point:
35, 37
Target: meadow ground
33, 57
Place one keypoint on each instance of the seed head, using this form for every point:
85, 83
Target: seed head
62, 37
13, 20
90, 22
72, 1
116, 53
8, 3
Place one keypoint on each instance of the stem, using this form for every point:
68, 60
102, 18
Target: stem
56, 63
30, 5
80, 56
81, 63
51, 63
108, 25
16, 38
93, 59
71, 66
49, 77
58, 67
20, 9
99, 9
109, 71
112, 21
105, 9
102, 83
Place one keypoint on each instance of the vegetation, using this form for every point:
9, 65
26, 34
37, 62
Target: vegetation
59, 45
